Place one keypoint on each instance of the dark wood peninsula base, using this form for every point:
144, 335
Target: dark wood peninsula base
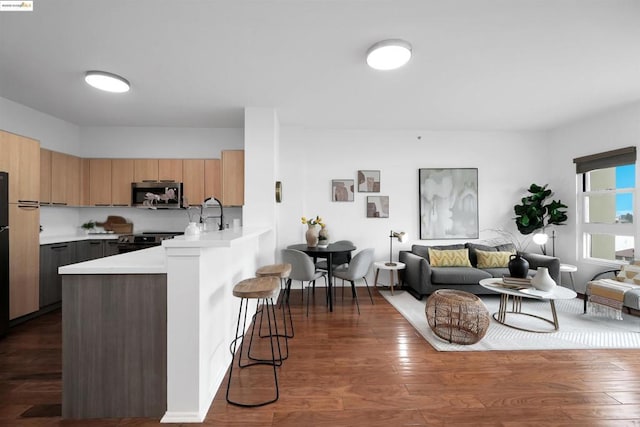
114, 345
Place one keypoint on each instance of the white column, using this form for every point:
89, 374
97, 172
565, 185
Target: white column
261, 137
201, 317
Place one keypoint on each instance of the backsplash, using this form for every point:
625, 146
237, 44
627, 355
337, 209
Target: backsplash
60, 221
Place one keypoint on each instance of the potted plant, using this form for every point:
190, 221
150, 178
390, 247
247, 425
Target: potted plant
88, 226
535, 212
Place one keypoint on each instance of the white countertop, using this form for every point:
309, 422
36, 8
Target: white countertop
145, 261
48, 240
209, 239
154, 260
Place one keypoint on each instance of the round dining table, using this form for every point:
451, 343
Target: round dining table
327, 253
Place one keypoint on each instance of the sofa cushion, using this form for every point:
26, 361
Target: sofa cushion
449, 258
457, 275
473, 247
493, 259
423, 251
629, 274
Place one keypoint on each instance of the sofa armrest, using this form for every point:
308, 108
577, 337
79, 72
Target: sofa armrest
552, 264
417, 273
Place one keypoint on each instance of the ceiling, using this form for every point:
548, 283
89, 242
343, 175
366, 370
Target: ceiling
476, 65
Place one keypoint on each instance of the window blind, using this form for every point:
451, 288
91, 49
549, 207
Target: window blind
608, 159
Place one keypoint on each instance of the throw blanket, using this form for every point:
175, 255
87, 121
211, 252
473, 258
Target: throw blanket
606, 297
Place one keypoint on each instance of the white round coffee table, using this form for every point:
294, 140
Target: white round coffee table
382, 265
497, 285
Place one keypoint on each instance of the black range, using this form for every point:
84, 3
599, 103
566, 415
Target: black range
134, 242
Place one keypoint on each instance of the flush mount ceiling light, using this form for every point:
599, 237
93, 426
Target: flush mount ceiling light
106, 81
389, 54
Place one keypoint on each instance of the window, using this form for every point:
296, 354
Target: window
607, 199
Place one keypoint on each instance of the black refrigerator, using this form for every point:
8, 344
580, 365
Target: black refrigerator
4, 253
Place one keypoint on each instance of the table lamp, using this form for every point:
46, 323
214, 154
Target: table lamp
401, 236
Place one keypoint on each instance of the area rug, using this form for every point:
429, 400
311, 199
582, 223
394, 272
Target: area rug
577, 330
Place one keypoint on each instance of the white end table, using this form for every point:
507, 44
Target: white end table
568, 268
382, 265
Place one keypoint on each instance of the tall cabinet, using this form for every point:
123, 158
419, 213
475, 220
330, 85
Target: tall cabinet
21, 159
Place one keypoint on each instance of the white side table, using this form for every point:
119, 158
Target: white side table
568, 268
382, 265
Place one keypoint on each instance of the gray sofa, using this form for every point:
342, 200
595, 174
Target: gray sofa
420, 278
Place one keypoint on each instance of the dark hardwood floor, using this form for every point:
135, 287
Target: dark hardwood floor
371, 369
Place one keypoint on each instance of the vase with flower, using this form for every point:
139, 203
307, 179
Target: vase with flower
312, 233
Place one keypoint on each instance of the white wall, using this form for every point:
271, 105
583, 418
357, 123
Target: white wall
615, 129
158, 142
309, 159
53, 133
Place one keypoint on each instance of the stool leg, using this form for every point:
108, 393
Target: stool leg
272, 334
273, 362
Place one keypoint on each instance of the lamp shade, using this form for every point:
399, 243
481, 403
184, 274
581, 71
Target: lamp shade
389, 54
401, 236
108, 82
540, 238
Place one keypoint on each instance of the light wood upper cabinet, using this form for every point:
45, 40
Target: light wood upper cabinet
72, 178
24, 260
122, 174
213, 178
85, 181
193, 181
99, 182
145, 170
233, 177
65, 179
45, 176
21, 159
170, 170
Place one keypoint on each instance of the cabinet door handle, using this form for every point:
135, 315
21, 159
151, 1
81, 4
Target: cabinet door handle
149, 180
59, 203
59, 247
167, 180
29, 207
102, 204
94, 243
29, 201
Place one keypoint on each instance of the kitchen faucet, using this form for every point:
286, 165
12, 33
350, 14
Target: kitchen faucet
207, 203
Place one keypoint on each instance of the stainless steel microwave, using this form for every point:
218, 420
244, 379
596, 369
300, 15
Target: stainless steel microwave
156, 195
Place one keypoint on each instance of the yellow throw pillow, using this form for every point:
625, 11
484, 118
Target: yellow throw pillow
449, 258
488, 259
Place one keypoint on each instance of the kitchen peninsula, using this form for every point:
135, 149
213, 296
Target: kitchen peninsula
146, 333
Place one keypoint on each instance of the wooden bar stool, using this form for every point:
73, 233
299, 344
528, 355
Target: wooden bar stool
282, 272
263, 289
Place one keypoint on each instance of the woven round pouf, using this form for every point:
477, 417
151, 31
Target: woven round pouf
456, 316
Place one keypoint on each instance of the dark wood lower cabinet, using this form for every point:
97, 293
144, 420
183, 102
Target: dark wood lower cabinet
52, 257
114, 337
56, 255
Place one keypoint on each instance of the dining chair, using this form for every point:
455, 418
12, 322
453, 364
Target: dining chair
357, 269
302, 269
338, 259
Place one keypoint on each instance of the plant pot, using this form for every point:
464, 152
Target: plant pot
518, 266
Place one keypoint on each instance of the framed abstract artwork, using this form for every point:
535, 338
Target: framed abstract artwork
448, 203
369, 181
377, 206
342, 190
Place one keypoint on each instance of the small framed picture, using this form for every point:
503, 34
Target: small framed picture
369, 181
377, 206
342, 190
